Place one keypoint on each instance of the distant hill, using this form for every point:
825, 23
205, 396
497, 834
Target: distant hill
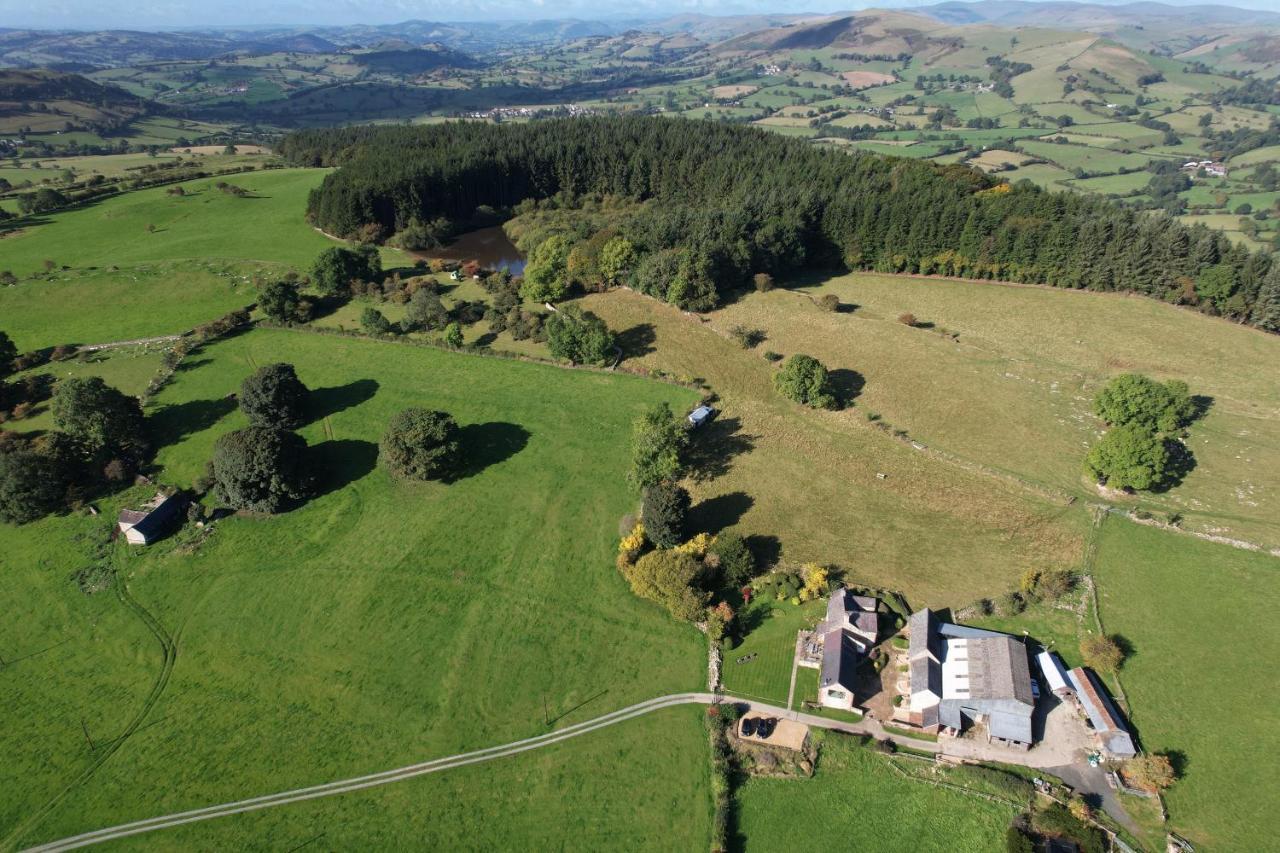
414, 60
44, 100
1092, 17
885, 31
116, 48
44, 85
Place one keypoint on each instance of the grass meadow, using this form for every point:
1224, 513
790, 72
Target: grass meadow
857, 797
652, 792
806, 482
1199, 619
1012, 392
124, 281
379, 624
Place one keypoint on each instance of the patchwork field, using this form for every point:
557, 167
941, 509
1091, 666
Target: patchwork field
379, 624
1200, 620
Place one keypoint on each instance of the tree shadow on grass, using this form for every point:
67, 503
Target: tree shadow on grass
323, 402
1201, 404
1127, 649
176, 421
483, 445
637, 340
715, 514
341, 462
714, 447
1180, 761
767, 551
846, 384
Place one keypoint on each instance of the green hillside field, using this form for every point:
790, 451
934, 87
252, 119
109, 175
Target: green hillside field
1199, 619
124, 281
381, 623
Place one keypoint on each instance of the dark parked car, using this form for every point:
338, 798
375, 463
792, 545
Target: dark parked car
749, 726
766, 727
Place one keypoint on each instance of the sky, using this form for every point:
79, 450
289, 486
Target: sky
175, 14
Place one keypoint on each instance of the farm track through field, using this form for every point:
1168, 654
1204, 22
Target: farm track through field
169, 650
447, 763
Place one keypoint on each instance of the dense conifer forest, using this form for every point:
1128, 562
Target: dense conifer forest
724, 203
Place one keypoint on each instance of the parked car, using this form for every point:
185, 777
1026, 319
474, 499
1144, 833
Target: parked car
749, 726
766, 727
701, 415
1035, 689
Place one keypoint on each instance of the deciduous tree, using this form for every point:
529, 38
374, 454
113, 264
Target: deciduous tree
668, 577
1101, 653
337, 267
545, 274
578, 336
804, 379
1129, 457
657, 440
1152, 771
101, 419
420, 444
31, 485
274, 396
261, 469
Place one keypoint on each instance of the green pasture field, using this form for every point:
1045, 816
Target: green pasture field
1199, 619
126, 282
1113, 184
206, 223
807, 483
856, 797
90, 306
646, 780
379, 624
1029, 360
1084, 157
130, 369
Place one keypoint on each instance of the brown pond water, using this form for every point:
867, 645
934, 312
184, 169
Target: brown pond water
490, 247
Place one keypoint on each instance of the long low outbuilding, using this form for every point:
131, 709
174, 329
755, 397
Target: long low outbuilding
1108, 726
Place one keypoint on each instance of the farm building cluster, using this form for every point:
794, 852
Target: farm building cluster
955, 679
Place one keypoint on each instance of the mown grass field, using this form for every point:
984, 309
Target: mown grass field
379, 624
857, 798
1200, 619
1013, 392
653, 792
806, 481
124, 281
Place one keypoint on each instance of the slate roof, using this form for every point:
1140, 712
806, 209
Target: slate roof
924, 636
130, 517
152, 522
840, 654
1103, 716
868, 622
925, 675
998, 669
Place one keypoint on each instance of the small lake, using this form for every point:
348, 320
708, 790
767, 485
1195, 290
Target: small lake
490, 247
